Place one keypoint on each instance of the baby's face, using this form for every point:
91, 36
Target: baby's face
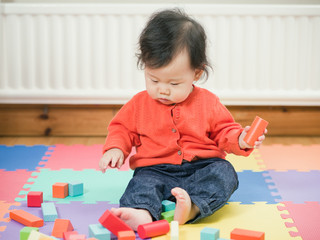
173, 83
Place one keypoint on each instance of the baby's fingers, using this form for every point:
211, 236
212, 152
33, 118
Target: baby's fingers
103, 165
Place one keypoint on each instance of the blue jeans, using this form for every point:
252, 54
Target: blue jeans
209, 183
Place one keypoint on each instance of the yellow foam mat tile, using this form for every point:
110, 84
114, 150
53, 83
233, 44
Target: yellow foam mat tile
258, 217
252, 162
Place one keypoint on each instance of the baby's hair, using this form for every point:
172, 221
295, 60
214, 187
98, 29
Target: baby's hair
166, 34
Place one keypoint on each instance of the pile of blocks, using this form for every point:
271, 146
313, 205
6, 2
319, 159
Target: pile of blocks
32, 222
109, 223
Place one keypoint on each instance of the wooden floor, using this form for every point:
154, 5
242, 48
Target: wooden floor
100, 140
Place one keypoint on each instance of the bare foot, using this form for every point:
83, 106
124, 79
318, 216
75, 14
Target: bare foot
133, 217
185, 209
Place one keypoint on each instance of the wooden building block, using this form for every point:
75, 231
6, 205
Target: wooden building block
209, 234
98, 231
153, 229
61, 226
113, 223
49, 212
25, 232
168, 206
256, 130
126, 235
60, 190
169, 216
174, 233
77, 237
243, 234
35, 235
66, 235
75, 189
26, 218
34, 199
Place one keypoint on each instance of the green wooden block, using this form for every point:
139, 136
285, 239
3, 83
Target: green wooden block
168, 215
25, 232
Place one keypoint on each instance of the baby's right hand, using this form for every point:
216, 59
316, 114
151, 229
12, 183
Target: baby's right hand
114, 157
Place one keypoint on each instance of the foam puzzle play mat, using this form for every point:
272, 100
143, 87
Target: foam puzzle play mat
58, 192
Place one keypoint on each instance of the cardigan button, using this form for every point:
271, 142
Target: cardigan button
173, 130
179, 152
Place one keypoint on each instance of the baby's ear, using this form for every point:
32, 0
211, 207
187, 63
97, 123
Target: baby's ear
197, 74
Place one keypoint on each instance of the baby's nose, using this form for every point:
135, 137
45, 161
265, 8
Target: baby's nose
164, 91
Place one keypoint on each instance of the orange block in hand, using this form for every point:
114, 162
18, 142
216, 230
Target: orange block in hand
26, 218
60, 190
256, 130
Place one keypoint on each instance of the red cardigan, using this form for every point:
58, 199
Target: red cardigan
200, 127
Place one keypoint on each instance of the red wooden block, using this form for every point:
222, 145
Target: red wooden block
61, 226
256, 130
243, 234
126, 235
35, 199
26, 218
60, 190
153, 229
113, 223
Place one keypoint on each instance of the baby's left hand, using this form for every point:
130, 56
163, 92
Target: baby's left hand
257, 143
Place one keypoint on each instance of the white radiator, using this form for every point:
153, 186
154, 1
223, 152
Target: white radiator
85, 53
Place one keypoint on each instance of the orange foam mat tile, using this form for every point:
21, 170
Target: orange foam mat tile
4, 210
292, 157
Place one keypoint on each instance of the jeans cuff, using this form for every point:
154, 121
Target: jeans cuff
204, 208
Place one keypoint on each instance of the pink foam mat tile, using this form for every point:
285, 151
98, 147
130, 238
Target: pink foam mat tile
12, 183
305, 219
289, 157
76, 157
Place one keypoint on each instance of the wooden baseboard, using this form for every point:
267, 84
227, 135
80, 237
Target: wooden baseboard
92, 120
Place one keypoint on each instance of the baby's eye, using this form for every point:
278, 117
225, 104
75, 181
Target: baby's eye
174, 84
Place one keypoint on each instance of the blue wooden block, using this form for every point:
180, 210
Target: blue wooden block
75, 189
209, 234
49, 212
99, 232
168, 206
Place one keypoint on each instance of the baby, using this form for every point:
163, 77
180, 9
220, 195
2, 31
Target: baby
181, 132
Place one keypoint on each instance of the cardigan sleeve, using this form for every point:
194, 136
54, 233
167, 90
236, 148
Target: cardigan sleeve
122, 130
226, 132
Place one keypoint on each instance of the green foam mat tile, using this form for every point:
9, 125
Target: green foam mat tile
97, 186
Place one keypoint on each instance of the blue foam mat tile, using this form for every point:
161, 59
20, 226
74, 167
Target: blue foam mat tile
255, 187
22, 157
